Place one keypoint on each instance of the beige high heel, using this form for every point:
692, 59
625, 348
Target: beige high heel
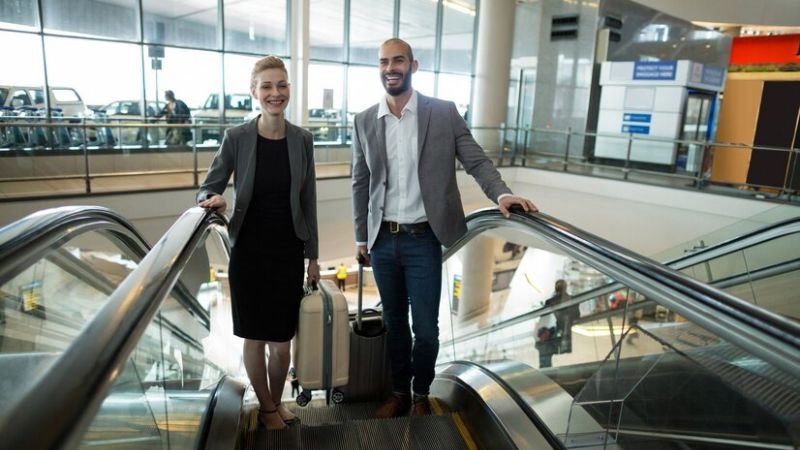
271, 420
287, 416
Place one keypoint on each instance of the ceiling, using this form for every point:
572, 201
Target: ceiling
761, 16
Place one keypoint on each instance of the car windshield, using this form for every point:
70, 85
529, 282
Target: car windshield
3, 96
237, 101
65, 95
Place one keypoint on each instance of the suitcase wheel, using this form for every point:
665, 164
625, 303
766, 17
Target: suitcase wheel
303, 398
337, 396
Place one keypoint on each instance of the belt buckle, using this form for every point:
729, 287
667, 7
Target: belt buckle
394, 227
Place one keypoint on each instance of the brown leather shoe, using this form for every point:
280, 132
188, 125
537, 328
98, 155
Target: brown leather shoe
397, 405
422, 406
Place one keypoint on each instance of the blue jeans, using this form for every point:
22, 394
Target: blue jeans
408, 271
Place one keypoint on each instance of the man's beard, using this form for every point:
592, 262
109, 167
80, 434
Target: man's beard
397, 90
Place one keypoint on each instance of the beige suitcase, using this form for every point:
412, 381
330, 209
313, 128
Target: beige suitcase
321, 350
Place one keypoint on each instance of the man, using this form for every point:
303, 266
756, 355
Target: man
176, 111
406, 206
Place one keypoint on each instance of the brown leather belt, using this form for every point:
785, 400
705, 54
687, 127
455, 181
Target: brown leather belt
410, 228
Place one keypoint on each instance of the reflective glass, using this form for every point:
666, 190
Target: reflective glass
192, 24
19, 15
371, 23
458, 28
326, 29
118, 19
418, 28
256, 26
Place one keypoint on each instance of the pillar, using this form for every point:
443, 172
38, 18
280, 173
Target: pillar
492, 65
298, 64
476, 280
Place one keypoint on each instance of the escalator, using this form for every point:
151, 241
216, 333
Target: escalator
140, 366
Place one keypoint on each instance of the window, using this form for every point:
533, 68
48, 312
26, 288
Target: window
192, 24
19, 14
418, 28
256, 26
117, 19
458, 26
326, 29
371, 23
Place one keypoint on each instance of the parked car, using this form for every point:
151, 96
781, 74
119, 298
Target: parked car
130, 111
66, 99
238, 108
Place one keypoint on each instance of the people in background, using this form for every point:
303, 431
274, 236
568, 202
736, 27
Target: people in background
406, 206
341, 276
272, 229
176, 111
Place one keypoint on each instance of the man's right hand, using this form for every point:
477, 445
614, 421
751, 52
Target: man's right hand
215, 202
362, 255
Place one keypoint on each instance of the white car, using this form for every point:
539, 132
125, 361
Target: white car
238, 108
65, 99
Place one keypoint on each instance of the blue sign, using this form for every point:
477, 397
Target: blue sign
712, 76
639, 118
635, 129
654, 70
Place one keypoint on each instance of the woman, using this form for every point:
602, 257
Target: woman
273, 227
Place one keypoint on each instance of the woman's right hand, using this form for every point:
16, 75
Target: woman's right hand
215, 202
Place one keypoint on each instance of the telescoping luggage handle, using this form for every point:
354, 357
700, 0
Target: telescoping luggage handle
361, 261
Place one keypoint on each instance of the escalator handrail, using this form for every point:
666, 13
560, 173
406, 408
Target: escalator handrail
761, 332
29, 238
738, 243
68, 396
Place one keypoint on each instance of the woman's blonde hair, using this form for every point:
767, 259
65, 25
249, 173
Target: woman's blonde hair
267, 62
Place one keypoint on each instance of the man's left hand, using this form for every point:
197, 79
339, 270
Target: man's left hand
510, 200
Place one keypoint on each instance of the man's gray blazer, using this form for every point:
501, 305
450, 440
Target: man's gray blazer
443, 138
237, 155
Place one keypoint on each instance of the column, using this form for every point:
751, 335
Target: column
476, 280
492, 63
298, 66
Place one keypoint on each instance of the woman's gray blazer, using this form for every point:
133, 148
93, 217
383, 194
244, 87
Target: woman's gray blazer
237, 155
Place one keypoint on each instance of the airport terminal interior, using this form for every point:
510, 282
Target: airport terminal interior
652, 303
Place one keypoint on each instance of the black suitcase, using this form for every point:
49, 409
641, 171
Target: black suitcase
370, 375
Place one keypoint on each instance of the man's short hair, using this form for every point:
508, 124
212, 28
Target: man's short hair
409, 52
267, 62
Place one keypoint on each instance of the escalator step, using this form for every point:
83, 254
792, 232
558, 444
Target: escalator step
403, 433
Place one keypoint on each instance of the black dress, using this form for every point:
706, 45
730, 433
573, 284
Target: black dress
266, 266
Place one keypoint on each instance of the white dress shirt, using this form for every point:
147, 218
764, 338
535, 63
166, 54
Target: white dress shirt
403, 202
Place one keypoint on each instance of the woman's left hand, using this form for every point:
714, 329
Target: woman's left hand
313, 271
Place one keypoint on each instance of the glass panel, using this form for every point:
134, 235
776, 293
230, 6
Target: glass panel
19, 15
192, 24
117, 19
458, 28
418, 28
91, 88
325, 97
160, 398
24, 52
371, 23
629, 370
456, 88
326, 30
46, 305
256, 26
369, 89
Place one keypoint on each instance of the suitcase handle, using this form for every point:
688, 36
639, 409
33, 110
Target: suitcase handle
361, 260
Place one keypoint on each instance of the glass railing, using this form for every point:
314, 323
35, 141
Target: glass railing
651, 357
112, 352
112, 154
